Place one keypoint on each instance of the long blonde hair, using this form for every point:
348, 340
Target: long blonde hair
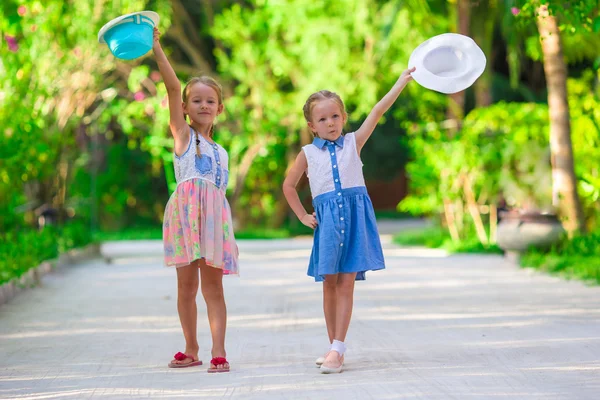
318, 96
210, 82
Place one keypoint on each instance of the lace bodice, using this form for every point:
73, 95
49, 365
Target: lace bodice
213, 166
347, 162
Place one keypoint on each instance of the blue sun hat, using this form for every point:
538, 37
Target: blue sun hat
130, 36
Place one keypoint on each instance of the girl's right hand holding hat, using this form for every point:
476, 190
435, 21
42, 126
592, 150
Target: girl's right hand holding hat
156, 41
406, 76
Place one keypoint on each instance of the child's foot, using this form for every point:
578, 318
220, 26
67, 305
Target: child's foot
218, 364
333, 363
183, 360
319, 361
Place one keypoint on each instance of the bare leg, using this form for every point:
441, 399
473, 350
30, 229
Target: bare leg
212, 290
187, 289
345, 301
329, 304
343, 314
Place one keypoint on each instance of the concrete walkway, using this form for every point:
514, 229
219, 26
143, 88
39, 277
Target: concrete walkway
428, 327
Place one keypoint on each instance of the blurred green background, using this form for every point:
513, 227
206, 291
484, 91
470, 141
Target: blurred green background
85, 153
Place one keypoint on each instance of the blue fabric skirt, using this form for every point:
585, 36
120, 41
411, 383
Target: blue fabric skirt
346, 238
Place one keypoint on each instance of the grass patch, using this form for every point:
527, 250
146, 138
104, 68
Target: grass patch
133, 233
291, 229
262, 233
156, 234
429, 237
438, 238
578, 258
251, 232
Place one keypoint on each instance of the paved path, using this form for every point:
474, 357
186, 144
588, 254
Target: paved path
429, 327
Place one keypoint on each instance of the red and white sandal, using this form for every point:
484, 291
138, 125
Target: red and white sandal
215, 362
180, 357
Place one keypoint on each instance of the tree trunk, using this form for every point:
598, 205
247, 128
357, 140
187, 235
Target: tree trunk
563, 171
482, 28
243, 168
456, 103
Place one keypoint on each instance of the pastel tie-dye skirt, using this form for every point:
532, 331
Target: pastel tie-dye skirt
197, 224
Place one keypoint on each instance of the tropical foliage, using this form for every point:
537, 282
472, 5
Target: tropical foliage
84, 136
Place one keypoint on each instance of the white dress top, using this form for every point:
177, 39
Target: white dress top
320, 169
213, 166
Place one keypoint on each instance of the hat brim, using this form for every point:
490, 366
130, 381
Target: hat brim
122, 19
472, 57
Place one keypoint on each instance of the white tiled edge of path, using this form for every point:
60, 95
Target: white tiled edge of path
430, 326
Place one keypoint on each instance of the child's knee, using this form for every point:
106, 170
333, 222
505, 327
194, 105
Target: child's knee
212, 292
187, 289
345, 286
330, 282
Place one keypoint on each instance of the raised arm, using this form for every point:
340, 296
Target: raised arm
366, 129
291, 194
177, 122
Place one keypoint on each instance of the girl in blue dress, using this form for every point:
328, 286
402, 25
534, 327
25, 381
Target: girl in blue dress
346, 241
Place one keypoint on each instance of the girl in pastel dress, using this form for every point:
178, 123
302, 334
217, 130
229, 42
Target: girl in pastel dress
346, 241
197, 230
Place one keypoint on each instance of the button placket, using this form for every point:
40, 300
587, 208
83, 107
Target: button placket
218, 161
338, 188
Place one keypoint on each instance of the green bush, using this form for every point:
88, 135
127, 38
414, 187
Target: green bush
577, 258
20, 251
23, 250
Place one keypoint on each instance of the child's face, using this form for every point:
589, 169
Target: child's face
203, 104
327, 119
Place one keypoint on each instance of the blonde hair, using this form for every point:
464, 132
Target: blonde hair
319, 96
212, 83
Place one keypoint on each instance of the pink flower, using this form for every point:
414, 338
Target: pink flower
515, 11
22, 10
77, 52
164, 102
12, 43
155, 76
139, 96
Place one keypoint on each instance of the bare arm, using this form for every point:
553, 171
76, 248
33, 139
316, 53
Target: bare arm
291, 194
366, 129
177, 122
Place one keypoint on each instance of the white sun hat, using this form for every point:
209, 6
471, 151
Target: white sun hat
447, 63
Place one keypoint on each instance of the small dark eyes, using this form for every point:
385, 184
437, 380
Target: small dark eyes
334, 116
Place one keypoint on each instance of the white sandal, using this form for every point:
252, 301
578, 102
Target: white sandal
329, 370
319, 361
